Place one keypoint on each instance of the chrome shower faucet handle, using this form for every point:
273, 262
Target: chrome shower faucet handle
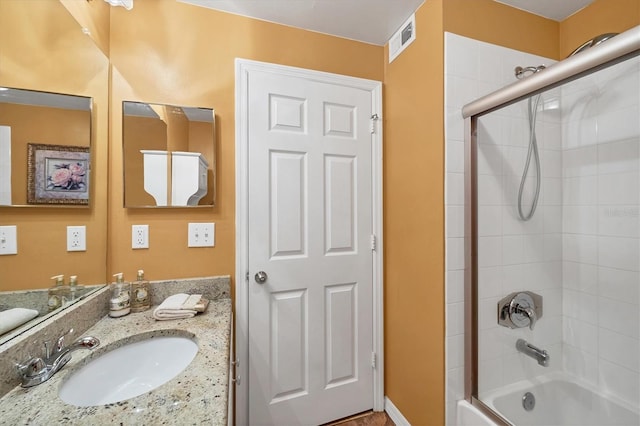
520, 309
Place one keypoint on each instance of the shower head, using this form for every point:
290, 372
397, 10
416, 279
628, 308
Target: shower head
593, 42
527, 71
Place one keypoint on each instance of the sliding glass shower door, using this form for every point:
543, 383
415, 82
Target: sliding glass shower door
557, 238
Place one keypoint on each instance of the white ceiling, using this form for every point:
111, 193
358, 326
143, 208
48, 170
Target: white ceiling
558, 10
369, 21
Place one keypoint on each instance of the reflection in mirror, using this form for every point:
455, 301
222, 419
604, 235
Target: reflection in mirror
48, 163
168, 155
21, 310
44, 49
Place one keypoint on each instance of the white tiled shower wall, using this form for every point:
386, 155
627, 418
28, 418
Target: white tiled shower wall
580, 251
601, 229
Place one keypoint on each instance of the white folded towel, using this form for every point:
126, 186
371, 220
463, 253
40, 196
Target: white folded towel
12, 318
178, 306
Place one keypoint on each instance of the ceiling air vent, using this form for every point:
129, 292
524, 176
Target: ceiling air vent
402, 38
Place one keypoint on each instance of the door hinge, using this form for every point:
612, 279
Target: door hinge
246, 277
235, 370
374, 118
373, 243
373, 360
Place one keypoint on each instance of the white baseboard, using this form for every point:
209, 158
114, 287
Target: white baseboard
394, 413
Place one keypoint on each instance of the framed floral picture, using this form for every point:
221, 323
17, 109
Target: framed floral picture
58, 174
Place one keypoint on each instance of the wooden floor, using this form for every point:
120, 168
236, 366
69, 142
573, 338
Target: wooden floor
368, 418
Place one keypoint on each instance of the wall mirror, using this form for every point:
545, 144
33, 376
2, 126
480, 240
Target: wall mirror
168, 155
45, 141
45, 50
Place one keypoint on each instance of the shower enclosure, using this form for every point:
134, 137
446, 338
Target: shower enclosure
552, 216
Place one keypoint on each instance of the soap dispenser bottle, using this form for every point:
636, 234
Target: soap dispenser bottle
120, 302
74, 288
141, 300
57, 295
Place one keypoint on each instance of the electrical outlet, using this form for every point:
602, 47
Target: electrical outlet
202, 235
76, 238
8, 240
139, 236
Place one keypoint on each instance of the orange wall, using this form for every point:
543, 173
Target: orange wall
496, 23
602, 16
155, 60
94, 16
69, 62
414, 223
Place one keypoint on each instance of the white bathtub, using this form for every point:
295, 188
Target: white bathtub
558, 402
468, 415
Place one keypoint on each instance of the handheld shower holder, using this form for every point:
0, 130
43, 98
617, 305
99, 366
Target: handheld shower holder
521, 72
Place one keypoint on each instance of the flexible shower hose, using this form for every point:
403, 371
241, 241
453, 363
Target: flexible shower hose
533, 151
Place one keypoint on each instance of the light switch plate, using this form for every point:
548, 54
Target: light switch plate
8, 240
76, 238
139, 236
202, 235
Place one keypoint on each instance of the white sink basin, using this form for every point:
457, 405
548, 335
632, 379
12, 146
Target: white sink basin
128, 371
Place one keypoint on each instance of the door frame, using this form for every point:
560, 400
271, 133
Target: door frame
243, 68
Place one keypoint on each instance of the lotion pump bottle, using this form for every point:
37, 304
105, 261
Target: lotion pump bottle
141, 300
74, 288
120, 302
56, 293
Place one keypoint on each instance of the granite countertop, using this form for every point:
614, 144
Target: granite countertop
198, 395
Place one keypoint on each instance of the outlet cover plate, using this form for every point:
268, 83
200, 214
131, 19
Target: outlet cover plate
139, 236
76, 238
202, 235
8, 240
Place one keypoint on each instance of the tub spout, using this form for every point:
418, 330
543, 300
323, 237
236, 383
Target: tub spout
540, 355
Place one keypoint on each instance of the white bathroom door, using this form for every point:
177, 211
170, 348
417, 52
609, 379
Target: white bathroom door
310, 250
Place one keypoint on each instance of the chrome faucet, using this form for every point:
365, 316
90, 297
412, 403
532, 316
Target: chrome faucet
534, 352
39, 370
